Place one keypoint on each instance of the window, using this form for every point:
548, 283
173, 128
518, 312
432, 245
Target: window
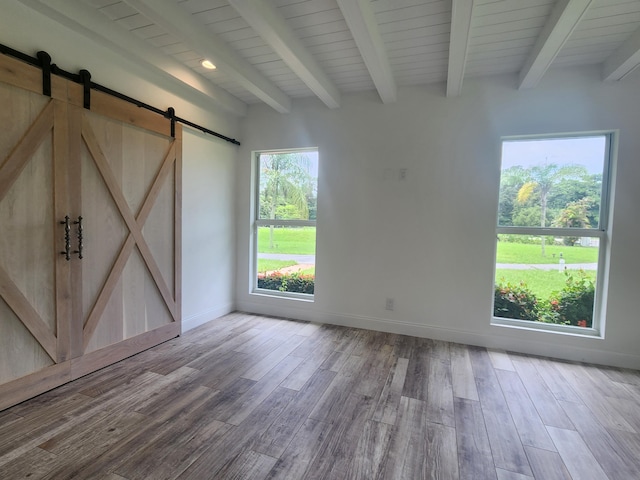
552, 232
285, 225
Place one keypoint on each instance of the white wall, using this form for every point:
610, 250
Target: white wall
208, 163
208, 229
428, 241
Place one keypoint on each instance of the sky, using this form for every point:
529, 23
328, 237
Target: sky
587, 151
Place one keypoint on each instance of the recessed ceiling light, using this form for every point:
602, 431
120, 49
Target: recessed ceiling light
208, 64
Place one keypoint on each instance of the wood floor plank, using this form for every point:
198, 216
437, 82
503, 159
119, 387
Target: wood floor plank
245, 404
576, 455
269, 361
475, 459
77, 459
332, 401
441, 452
344, 341
440, 393
506, 475
222, 406
440, 350
35, 429
605, 449
336, 452
222, 370
462, 380
219, 453
145, 436
174, 446
603, 384
182, 354
599, 404
321, 339
375, 370
370, 453
225, 348
629, 410
622, 375
248, 464
547, 465
554, 380
417, 380
303, 372
301, 452
500, 360
628, 443
525, 416
409, 425
279, 435
183, 382
508, 452
33, 464
545, 402
387, 406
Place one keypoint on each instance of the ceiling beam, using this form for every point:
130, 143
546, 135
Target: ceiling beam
461, 15
624, 60
181, 24
364, 28
269, 23
564, 18
155, 67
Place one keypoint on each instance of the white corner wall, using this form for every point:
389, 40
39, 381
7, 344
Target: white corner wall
428, 241
208, 229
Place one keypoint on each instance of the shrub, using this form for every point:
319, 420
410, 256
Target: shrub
573, 305
294, 282
515, 301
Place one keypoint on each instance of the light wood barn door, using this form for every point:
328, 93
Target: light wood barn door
128, 194
34, 277
118, 168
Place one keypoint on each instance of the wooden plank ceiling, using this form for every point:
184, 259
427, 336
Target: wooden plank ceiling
273, 51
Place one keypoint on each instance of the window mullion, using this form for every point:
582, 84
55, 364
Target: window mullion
551, 232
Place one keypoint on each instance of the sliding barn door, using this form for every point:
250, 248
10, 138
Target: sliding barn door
80, 294
127, 194
34, 281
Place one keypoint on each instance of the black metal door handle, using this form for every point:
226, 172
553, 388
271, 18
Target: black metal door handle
79, 234
67, 238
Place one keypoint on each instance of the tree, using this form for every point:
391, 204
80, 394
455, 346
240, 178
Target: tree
573, 190
511, 180
574, 216
541, 179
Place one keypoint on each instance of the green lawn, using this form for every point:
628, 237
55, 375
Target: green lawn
265, 265
523, 253
541, 282
293, 240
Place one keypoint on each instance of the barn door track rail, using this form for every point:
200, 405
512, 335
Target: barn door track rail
42, 60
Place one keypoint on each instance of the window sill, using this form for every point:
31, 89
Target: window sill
547, 328
300, 297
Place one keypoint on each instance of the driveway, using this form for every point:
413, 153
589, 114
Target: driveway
547, 266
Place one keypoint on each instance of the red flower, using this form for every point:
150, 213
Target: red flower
582, 323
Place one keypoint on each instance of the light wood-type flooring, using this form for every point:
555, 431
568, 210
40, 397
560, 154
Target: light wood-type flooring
250, 397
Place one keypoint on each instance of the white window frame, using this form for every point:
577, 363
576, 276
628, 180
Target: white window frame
258, 222
601, 232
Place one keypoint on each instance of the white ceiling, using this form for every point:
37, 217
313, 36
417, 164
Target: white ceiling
273, 51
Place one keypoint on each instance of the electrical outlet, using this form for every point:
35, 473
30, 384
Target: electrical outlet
389, 304
402, 174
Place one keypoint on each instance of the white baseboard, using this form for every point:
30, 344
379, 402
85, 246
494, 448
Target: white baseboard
488, 340
194, 321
